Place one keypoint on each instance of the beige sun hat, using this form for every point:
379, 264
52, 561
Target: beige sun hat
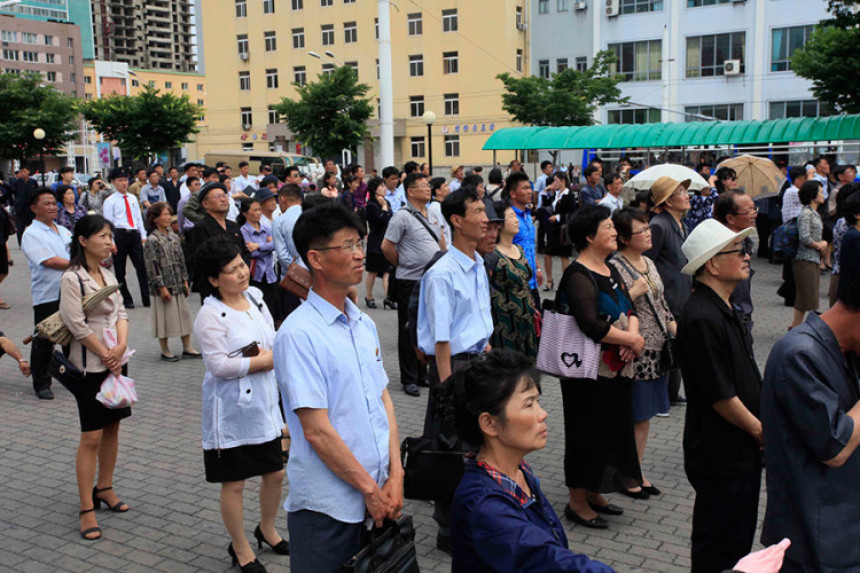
707, 239
455, 169
663, 188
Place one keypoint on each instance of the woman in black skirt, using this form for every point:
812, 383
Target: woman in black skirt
242, 419
91, 243
600, 453
560, 207
376, 265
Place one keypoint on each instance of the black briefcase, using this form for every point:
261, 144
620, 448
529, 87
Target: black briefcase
391, 549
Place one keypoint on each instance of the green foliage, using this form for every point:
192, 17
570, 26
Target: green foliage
330, 114
569, 98
26, 105
831, 60
144, 124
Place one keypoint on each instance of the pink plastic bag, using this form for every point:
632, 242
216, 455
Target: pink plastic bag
117, 391
768, 560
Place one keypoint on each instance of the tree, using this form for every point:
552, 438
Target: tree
330, 114
830, 58
145, 124
26, 105
569, 98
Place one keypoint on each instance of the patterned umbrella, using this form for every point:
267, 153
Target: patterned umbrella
758, 176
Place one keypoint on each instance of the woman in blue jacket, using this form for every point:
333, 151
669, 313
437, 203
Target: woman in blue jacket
500, 519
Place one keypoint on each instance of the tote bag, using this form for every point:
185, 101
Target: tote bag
565, 351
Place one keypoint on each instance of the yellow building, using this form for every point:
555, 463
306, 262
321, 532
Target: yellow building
445, 58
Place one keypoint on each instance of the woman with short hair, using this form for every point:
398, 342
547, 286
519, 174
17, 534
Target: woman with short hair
68, 212
259, 240
378, 216
806, 265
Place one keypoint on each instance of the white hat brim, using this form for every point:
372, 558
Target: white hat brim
692, 266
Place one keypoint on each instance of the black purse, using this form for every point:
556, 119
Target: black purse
430, 473
62, 368
391, 549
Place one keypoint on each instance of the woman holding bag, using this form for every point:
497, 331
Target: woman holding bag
91, 243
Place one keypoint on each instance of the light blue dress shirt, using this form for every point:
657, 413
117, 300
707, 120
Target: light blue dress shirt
525, 238
396, 198
40, 243
282, 232
455, 305
331, 360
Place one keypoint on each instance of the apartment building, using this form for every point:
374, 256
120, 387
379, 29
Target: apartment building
445, 58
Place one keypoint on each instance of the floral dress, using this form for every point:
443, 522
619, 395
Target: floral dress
701, 208
512, 305
67, 219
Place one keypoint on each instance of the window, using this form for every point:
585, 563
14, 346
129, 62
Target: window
244, 81
246, 116
519, 60
297, 4
326, 3
562, 6
543, 6
273, 115
449, 20
71, 60
700, 3
798, 108
247, 147
637, 6
723, 112
377, 68
581, 63
637, 61
49, 40
627, 116
168, 85
417, 147
300, 76
185, 86
29, 56
413, 24
271, 41
51, 76
450, 63
200, 102
72, 77
785, 42
350, 32
242, 43
241, 9
452, 104
272, 79
327, 34
298, 38
376, 28
349, 1
327, 69
353, 65
543, 68
452, 146
135, 84
268, 6
200, 87
88, 79
560, 65
706, 54
70, 43
29, 38
416, 66
519, 18
7, 36
416, 106
11, 55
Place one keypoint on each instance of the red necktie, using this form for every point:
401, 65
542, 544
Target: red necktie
128, 212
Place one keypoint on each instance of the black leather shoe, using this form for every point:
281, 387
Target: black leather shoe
596, 523
412, 389
45, 394
370, 302
444, 544
651, 490
170, 358
641, 494
606, 509
281, 548
253, 567
128, 304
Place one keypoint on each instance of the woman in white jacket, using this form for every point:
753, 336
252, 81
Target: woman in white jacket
241, 418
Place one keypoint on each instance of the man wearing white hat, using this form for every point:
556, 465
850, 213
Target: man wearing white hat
722, 431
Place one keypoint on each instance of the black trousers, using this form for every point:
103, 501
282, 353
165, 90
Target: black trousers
128, 245
674, 384
724, 520
787, 290
41, 350
411, 370
319, 543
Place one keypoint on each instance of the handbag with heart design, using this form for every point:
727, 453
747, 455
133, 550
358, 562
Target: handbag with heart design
565, 350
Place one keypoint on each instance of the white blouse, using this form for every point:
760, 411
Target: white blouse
238, 408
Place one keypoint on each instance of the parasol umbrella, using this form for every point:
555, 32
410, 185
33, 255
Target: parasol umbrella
758, 176
644, 179
54, 329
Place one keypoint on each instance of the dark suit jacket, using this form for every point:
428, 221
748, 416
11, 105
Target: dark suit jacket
667, 238
208, 228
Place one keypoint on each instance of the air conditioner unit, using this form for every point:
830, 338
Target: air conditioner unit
243, 56
521, 26
580, 6
732, 67
613, 7
246, 126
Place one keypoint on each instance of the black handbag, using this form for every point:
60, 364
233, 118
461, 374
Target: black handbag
430, 473
67, 373
391, 549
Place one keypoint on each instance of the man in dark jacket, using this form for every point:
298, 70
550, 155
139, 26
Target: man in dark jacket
21, 188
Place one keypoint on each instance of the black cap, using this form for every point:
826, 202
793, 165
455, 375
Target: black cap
117, 173
492, 216
264, 194
209, 187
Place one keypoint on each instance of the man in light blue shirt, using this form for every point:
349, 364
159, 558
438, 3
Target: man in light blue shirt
46, 246
345, 452
546, 168
290, 203
396, 198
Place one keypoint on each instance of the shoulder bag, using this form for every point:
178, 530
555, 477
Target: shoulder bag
62, 368
390, 549
785, 241
297, 280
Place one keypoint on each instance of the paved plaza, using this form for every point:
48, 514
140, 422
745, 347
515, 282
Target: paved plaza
175, 524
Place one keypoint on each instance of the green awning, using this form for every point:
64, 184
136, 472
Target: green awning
698, 133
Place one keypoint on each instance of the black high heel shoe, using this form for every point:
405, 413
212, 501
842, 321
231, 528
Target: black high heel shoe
118, 507
388, 303
91, 530
281, 548
370, 302
253, 567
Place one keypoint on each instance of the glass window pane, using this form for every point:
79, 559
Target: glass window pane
792, 109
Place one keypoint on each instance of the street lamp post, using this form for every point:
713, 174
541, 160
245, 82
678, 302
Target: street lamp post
39, 134
429, 118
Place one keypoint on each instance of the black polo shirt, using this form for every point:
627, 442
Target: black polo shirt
718, 363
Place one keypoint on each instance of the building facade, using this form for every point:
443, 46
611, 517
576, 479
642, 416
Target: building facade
445, 58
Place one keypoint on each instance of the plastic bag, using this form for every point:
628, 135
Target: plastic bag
117, 391
768, 560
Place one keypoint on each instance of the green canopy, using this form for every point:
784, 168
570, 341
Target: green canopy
692, 134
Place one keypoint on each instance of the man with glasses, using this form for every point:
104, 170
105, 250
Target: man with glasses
737, 211
722, 431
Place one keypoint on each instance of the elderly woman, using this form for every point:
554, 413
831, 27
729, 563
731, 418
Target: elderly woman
241, 417
168, 283
600, 449
500, 518
646, 289
806, 264
69, 212
91, 243
259, 239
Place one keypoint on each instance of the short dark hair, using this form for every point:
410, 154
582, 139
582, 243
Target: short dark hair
701, 166
623, 221
154, 212
353, 168
316, 226
722, 174
795, 172
191, 179
86, 227
329, 175
38, 192
849, 294
495, 176
474, 179
726, 205
455, 203
849, 207
585, 223
66, 169
389, 171
610, 179
412, 179
243, 164
139, 169
410, 167
486, 385
213, 255
173, 168
817, 161
290, 190
150, 172
223, 177
514, 179
209, 172
808, 191
544, 164
596, 159
372, 186
590, 170
60, 191
289, 169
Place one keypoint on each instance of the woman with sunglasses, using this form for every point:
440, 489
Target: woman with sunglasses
241, 418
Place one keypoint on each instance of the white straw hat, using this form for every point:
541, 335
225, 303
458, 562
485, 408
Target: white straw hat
707, 239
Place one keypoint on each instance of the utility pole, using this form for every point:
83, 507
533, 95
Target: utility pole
386, 97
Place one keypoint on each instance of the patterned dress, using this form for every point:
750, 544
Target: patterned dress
512, 305
701, 208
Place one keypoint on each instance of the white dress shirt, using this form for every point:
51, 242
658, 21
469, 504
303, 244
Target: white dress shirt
113, 210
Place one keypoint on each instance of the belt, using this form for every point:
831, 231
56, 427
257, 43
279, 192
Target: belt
118, 230
467, 356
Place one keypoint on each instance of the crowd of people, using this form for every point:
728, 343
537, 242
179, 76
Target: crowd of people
295, 376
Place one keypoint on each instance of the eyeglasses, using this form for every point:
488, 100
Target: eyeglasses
745, 213
744, 251
347, 246
645, 229
216, 196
